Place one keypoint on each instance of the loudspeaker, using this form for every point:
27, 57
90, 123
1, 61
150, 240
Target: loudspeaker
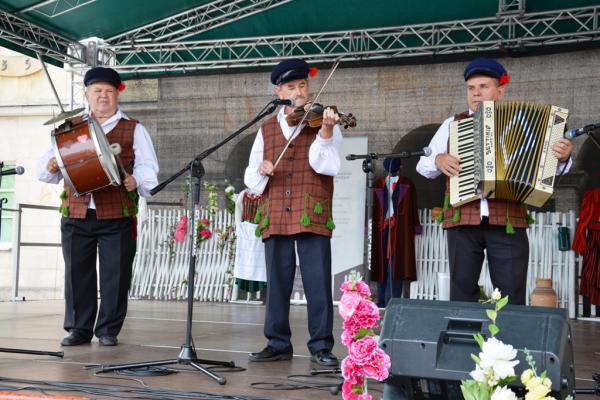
430, 343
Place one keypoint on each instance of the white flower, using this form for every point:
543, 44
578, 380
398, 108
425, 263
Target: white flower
496, 295
526, 376
503, 393
478, 374
499, 357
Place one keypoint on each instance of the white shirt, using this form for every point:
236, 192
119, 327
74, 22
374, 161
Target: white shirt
439, 145
145, 166
323, 155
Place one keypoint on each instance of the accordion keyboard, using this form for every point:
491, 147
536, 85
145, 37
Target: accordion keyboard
463, 145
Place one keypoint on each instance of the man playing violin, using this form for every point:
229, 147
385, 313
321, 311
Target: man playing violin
102, 222
295, 214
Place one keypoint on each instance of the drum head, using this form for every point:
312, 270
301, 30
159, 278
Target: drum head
105, 155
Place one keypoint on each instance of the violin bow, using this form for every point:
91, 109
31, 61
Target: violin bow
295, 131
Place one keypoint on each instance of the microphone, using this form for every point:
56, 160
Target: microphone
573, 133
13, 171
283, 102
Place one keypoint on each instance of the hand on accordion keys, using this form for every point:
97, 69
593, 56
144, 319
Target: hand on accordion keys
447, 164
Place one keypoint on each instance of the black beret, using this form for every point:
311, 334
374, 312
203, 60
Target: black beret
102, 74
487, 67
289, 70
392, 164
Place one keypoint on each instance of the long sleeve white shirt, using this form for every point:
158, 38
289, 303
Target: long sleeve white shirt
439, 145
323, 156
145, 166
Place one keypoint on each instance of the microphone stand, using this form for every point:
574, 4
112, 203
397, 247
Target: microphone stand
4, 200
187, 356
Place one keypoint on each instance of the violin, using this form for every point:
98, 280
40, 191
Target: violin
314, 116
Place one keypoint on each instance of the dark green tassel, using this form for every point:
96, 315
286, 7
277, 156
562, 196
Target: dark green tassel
529, 219
440, 218
330, 225
63, 195
305, 220
126, 211
133, 195
509, 228
446, 202
257, 216
318, 208
64, 211
136, 210
265, 222
257, 231
456, 216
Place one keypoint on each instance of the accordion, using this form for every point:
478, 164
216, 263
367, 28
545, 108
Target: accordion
505, 152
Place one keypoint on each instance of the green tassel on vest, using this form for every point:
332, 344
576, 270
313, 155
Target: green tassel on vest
265, 222
456, 216
126, 212
446, 202
64, 211
257, 231
305, 219
257, 216
509, 228
63, 195
318, 208
440, 218
529, 219
330, 225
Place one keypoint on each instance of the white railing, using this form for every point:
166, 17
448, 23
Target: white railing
160, 269
545, 259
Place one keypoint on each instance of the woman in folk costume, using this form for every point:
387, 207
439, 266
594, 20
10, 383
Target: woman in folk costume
250, 269
587, 243
395, 224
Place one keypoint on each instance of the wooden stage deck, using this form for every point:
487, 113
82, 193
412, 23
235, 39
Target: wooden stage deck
154, 330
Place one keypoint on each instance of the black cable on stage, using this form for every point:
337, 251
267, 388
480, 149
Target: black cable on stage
117, 391
307, 382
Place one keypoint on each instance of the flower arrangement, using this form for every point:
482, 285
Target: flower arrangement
203, 233
494, 366
365, 359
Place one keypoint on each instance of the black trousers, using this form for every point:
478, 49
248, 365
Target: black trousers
112, 240
314, 252
508, 258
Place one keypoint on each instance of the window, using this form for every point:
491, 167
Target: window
7, 191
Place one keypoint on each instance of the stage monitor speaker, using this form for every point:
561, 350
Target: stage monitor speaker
430, 343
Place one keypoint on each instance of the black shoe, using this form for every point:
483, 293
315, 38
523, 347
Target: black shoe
271, 354
74, 339
325, 357
108, 340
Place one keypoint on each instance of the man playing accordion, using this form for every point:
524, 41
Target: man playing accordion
497, 226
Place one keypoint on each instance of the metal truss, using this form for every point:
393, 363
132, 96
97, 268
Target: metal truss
54, 8
511, 6
29, 36
502, 32
195, 21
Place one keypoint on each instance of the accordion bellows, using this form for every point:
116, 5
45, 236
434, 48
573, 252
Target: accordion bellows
505, 152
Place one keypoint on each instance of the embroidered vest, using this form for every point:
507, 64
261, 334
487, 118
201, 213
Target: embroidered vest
296, 199
501, 212
112, 201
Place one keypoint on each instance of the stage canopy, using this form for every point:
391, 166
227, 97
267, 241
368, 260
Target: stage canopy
157, 37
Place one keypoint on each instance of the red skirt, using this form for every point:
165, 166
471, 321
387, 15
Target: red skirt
590, 272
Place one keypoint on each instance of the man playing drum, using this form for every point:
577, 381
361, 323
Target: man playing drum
102, 222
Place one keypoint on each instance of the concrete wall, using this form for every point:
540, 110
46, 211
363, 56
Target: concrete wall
187, 114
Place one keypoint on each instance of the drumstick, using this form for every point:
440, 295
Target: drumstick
115, 149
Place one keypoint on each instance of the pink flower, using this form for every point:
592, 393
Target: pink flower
349, 371
366, 316
348, 303
364, 396
356, 286
362, 351
347, 338
351, 391
379, 366
181, 229
205, 233
204, 222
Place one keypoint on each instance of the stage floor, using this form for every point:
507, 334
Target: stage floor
154, 330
